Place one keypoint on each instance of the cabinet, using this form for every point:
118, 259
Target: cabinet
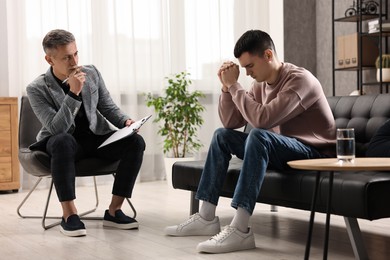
9, 163
358, 51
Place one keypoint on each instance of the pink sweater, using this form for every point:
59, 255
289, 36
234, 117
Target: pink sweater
294, 106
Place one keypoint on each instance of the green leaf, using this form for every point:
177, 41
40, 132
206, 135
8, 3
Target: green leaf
179, 113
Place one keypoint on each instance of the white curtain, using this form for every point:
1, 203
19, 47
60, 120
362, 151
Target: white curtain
137, 43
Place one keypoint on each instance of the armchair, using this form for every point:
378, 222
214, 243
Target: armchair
37, 163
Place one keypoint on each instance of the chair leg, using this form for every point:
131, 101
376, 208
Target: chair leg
129, 202
132, 207
25, 199
82, 215
44, 215
194, 203
97, 204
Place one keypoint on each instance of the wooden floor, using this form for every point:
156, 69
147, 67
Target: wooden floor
279, 235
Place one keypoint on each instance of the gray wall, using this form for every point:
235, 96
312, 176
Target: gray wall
299, 33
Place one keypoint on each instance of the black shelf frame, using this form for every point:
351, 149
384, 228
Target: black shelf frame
380, 35
359, 17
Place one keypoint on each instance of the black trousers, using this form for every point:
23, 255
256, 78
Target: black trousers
65, 150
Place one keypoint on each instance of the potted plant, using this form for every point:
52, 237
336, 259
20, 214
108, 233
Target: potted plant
385, 65
179, 113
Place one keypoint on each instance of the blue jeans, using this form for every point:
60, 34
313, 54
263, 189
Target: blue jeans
259, 149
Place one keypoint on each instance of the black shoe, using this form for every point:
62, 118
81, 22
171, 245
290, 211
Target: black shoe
73, 226
120, 220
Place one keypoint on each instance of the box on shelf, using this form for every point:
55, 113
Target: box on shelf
373, 26
340, 52
347, 51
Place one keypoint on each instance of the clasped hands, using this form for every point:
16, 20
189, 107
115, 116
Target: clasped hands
228, 74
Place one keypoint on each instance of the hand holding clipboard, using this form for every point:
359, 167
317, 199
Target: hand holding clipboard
125, 131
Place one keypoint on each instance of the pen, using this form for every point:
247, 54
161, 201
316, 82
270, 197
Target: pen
65, 80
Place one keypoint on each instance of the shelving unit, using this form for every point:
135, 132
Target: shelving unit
380, 38
9, 163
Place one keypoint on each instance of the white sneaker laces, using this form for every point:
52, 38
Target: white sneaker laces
227, 230
191, 219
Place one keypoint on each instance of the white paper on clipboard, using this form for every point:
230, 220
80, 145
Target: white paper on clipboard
125, 131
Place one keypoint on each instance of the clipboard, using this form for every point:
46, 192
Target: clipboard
125, 131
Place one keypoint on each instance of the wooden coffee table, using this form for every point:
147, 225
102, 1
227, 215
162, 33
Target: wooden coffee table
332, 165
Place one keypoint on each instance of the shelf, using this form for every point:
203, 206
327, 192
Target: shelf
373, 83
355, 68
356, 18
377, 34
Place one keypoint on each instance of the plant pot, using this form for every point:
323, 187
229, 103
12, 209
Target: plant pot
385, 75
168, 166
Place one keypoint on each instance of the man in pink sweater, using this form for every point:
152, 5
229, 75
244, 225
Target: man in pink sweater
291, 120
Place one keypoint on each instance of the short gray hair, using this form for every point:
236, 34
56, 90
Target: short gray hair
56, 38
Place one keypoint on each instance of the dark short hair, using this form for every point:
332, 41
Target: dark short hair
56, 38
255, 42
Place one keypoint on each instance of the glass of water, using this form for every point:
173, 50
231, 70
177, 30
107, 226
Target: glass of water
345, 144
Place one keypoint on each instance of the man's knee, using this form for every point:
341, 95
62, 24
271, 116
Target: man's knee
63, 142
222, 132
258, 135
140, 142
259, 132
219, 136
134, 142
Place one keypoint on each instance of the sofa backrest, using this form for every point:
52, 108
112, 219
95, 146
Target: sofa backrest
364, 113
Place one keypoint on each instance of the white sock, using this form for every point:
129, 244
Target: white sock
241, 220
207, 210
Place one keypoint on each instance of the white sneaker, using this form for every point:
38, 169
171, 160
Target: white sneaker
228, 240
195, 226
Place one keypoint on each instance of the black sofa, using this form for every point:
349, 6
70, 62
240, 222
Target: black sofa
355, 194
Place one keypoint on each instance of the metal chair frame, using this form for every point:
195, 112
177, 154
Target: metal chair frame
44, 215
43, 171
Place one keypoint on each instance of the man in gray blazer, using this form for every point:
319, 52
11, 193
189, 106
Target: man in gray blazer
76, 110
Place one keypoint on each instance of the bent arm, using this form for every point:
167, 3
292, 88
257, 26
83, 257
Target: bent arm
54, 120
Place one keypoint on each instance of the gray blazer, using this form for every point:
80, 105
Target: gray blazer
57, 111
